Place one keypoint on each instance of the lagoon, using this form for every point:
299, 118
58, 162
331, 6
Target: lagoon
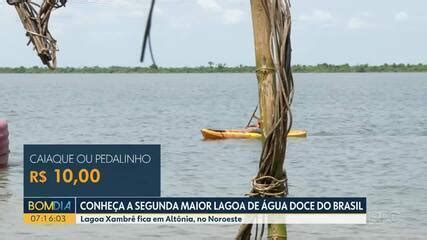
367, 136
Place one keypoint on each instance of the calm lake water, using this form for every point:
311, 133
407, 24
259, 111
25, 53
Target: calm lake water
367, 137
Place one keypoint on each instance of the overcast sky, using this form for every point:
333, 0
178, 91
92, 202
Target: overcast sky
193, 32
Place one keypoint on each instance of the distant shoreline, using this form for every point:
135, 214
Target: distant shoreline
222, 68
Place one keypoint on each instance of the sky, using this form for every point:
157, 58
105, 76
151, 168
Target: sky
194, 32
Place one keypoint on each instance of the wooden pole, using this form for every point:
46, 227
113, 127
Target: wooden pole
264, 64
266, 87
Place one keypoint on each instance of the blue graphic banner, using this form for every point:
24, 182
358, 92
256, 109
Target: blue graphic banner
91, 170
221, 205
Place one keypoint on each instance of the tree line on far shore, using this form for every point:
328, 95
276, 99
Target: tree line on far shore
223, 68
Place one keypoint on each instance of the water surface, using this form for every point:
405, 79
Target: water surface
367, 137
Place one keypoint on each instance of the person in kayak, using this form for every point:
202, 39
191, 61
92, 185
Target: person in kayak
255, 128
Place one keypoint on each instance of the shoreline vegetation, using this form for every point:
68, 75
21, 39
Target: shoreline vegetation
223, 68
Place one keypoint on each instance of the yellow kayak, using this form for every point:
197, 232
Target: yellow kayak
242, 133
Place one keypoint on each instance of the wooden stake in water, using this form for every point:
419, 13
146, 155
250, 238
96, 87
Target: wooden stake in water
266, 88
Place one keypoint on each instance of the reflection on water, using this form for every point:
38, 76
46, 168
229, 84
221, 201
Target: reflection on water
5, 194
367, 137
